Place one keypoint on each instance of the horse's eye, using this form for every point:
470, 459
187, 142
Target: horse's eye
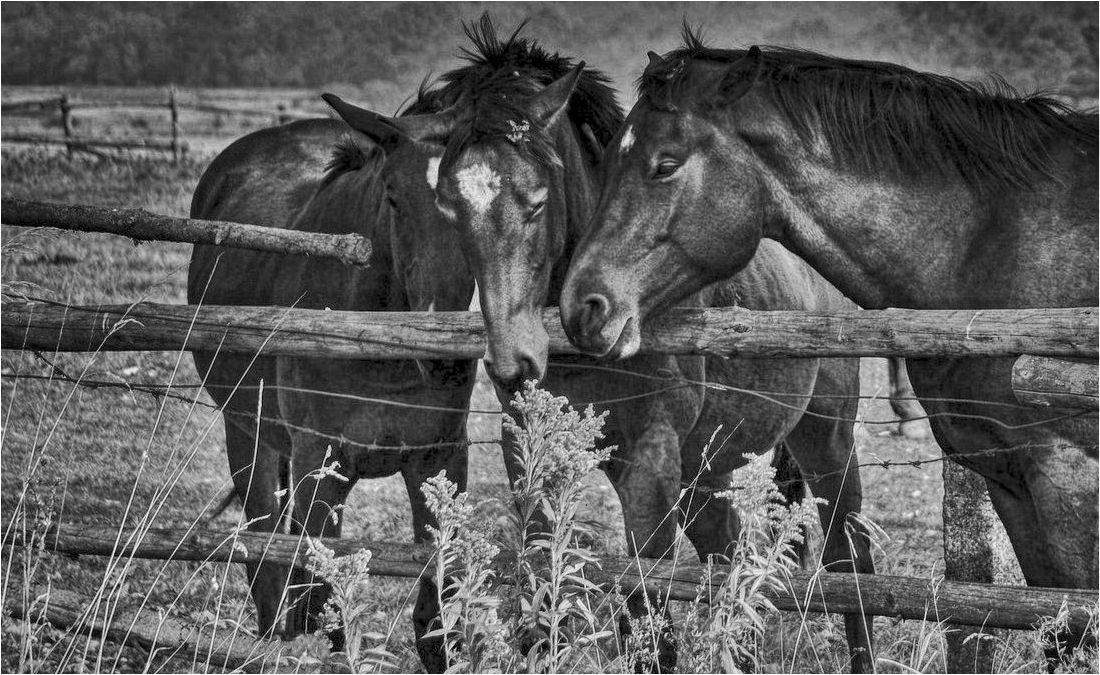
665, 168
536, 210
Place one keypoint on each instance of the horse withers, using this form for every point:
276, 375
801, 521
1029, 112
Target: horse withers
361, 419
518, 182
904, 189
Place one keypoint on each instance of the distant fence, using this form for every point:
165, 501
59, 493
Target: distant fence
174, 144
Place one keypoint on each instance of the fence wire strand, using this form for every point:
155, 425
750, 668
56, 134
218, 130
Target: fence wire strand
159, 390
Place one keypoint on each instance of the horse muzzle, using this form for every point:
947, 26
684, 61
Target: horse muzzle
517, 356
595, 328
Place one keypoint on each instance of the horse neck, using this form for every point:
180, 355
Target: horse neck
938, 242
350, 203
580, 180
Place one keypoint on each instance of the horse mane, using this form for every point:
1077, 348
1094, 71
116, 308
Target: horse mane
879, 116
496, 82
348, 155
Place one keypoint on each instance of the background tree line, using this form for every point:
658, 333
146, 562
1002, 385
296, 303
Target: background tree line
245, 44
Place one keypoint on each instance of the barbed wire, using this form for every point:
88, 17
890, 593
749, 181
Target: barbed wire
158, 390
674, 383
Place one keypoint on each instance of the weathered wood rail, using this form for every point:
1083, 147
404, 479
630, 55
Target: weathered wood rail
352, 249
901, 597
1056, 383
79, 143
175, 145
278, 331
149, 630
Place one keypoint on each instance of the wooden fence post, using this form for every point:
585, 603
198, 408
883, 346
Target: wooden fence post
67, 122
970, 553
283, 118
174, 110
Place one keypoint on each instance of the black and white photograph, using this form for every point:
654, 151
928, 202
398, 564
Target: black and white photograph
549, 337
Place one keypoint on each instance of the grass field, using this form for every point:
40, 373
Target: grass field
108, 456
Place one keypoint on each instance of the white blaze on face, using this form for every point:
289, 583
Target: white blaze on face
479, 185
628, 140
433, 171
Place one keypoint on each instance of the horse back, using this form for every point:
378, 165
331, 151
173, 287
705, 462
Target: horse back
264, 178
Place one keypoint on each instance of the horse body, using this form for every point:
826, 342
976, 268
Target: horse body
518, 181
276, 177
902, 189
954, 249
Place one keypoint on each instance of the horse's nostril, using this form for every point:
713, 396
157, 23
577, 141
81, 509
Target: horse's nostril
530, 369
594, 310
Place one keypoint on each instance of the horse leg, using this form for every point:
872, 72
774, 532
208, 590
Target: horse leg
318, 496
255, 466
1051, 521
645, 474
825, 450
427, 609
789, 482
903, 401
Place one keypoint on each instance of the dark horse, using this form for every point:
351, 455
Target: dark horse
904, 189
277, 177
518, 182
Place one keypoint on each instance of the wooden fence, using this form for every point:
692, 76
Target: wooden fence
174, 144
1043, 339
932, 599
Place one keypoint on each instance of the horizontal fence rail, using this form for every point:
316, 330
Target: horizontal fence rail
278, 331
352, 249
1048, 382
150, 630
175, 145
932, 599
77, 142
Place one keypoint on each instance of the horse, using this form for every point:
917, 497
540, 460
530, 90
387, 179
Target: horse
320, 428
518, 181
903, 189
903, 401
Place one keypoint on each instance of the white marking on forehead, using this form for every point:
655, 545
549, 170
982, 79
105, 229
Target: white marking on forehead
479, 185
433, 171
628, 140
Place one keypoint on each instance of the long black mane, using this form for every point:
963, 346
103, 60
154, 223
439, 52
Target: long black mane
881, 116
499, 77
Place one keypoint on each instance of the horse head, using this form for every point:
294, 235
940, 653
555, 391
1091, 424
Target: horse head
425, 249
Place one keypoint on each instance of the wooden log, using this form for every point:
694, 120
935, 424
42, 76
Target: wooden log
280, 331
220, 110
969, 523
151, 107
880, 595
174, 115
169, 637
82, 143
351, 249
25, 106
67, 123
1056, 383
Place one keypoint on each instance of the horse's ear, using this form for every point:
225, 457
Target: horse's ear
654, 59
378, 128
742, 74
548, 104
434, 127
